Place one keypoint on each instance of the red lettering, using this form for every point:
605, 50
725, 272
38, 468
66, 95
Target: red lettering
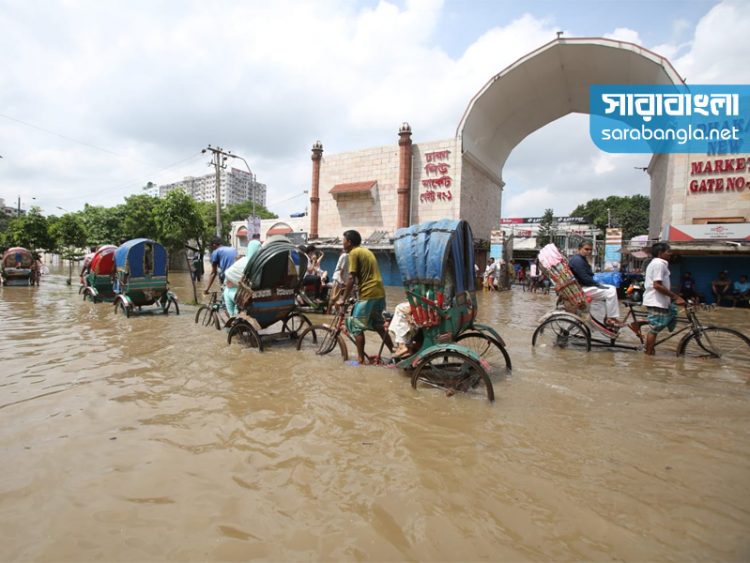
703, 186
694, 186
696, 168
719, 166
741, 162
729, 165
719, 186
708, 168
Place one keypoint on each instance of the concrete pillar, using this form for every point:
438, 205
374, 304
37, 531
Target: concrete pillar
317, 156
404, 175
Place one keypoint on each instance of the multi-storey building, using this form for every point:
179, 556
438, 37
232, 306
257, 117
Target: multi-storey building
236, 186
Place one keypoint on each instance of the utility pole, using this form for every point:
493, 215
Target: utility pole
219, 162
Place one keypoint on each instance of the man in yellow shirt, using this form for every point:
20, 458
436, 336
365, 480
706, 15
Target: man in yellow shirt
367, 313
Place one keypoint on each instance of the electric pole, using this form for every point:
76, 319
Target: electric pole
219, 163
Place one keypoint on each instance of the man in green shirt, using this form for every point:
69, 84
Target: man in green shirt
367, 313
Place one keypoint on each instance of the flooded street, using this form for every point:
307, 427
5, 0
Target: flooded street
148, 439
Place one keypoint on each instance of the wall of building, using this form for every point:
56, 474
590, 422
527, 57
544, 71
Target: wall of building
658, 170
480, 200
715, 186
436, 181
696, 188
364, 212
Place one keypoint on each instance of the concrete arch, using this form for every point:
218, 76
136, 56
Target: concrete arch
279, 228
546, 85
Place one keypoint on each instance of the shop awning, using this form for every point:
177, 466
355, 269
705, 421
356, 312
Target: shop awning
354, 188
242, 232
639, 255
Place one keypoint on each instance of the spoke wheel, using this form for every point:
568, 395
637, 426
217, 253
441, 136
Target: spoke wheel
726, 346
322, 340
453, 371
294, 324
562, 332
487, 348
246, 335
206, 316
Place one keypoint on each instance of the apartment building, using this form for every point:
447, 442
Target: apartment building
236, 186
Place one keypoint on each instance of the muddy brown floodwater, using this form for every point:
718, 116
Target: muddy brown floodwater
148, 439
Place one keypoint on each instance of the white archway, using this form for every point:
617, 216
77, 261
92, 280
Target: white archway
546, 85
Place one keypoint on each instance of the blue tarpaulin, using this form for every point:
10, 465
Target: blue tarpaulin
431, 252
131, 257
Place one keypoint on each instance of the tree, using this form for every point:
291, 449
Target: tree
631, 213
71, 237
243, 210
546, 230
137, 215
178, 220
29, 231
103, 224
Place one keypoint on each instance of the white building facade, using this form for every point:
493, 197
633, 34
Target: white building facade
236, 186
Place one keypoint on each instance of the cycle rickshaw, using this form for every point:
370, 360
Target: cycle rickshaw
454, 352
141, 278
17, 267
98, 283
267, 295
569, 326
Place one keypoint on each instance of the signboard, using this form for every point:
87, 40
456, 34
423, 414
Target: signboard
720, 231
253, 226
534, 220
612, 250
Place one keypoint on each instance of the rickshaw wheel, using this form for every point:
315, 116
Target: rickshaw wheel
322, 340
563, 332
246, 335
452, 370
206, 316
87, 296
169, 302
294, 324
125, 310
487, 348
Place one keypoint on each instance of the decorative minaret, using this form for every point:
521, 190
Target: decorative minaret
404, 175
317, 155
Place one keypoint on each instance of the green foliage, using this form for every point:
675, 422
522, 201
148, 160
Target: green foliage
243, 210
69, 233
137, 215
546, 229
104, 225
29, 231
629, 213
178, 219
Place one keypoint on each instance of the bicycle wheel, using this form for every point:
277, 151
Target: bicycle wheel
246, 335
453, 371
725, 345
294, 324
563, 332
487, 348
206, 316
322, 340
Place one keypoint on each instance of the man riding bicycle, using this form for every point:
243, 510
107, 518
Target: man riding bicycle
367, 313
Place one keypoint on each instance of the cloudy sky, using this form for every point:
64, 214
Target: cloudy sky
99, 97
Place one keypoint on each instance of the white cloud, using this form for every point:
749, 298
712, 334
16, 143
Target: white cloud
625, 34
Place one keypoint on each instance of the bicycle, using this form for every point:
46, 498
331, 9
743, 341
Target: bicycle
562, 329
214, 313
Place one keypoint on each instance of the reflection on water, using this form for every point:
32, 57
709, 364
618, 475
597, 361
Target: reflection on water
149, 439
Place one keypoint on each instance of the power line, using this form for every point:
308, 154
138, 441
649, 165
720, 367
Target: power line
129, 184
72, 140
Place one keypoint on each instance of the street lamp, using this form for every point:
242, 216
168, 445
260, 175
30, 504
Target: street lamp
249, 172
63, 209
